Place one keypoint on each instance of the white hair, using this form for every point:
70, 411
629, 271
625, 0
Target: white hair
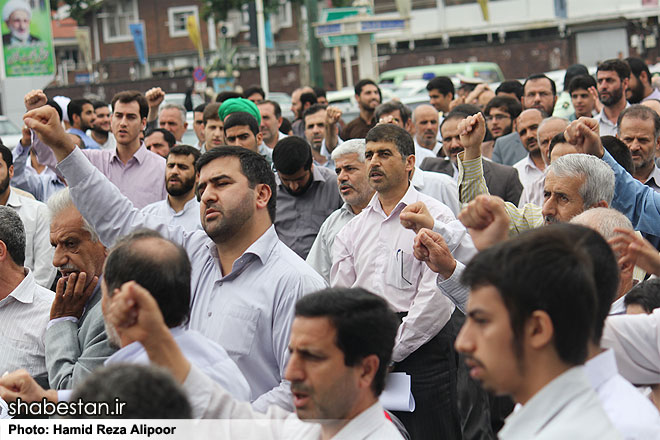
13, 5
599, 178
179, 107
604, 221
357, 146
60, 202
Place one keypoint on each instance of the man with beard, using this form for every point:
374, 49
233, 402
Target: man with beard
163, 268
639, 129
181, 207
231, 304
34, 215
501, 180
531, 167
501, 113
76, 342
612, 78
639, 86
314, 119
100, 130
425, 118
17, 15
367, 95
81, 115
307, 194
354, 189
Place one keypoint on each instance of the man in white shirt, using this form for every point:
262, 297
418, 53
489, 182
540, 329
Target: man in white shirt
612, 79
271, 119
520, 338
34, 214
426, 121
531, 167
374, 251
181, 206
231, 304
24, 305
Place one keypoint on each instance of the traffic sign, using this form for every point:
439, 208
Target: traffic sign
329, 15
199, 74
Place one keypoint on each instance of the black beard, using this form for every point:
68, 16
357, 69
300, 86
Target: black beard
100, 131
4, 184
186, 185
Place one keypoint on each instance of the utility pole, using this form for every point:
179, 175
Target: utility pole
315, 73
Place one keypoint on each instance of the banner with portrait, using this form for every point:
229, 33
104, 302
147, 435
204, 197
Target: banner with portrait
27, 39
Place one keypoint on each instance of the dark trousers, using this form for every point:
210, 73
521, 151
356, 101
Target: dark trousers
433, 369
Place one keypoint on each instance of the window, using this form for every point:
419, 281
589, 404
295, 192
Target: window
284, 16
116, 16
178, 18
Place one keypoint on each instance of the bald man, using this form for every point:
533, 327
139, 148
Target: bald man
426, 121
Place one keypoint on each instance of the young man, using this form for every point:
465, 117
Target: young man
198, 126
136, 171
314, 119
520, 339
441, 93
81, 115
501, 112
583, 96
368, 96
101, 131
214, 128
639, 86
181, 207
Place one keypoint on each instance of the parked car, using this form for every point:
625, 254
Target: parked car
489, 72
10, 134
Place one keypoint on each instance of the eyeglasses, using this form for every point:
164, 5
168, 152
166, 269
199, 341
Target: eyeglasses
399, 255
498, 117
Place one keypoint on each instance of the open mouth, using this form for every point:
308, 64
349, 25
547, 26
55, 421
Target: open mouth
300, 399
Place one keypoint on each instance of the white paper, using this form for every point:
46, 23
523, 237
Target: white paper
397, 395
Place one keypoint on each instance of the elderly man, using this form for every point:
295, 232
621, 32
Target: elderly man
24, 305
237, 252
76, 342
17, 15
159, 141
271, 119
425, 119
374, 251
172, 117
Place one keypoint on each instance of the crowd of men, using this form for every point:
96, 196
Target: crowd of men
498, 247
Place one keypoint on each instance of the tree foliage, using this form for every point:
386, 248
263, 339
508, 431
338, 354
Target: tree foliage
78, 8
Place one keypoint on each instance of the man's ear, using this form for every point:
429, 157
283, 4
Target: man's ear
539, 330
264, 194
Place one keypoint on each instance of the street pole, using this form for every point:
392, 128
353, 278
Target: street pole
315, 73
261, 40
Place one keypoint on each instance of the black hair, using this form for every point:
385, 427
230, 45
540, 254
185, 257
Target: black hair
128, 96
75, 107
167, 135
645, 294
511, 106
581, 82
307, 98
469, 109
252, 90
223, 96
313, 109
559, 138
364, 323
621, 68
620, 152
639, 111
185, 150
572, 72
455, 114
165, 273
364, 82
137, 387
292, 154
442, 84
637, 66
544, 270
6, 155
99, 104
319, 91
12, 234
285, 126
238, 119
253, 166
511, 86
536, 76
51, 102
200, 108
394, 134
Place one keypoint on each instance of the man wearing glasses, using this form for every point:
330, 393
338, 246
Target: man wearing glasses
374, 251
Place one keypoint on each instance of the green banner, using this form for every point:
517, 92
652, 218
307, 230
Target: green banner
27, 38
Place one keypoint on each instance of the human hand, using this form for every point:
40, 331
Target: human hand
34, 99
472, 131
583, 133
332, 115
19, 384
71, 295
416, 216
636, 251
155, 97
487, 221
46, 123
598, 106
431, 248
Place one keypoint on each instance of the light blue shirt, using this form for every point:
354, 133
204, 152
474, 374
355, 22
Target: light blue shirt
639, 202
248, 312
205, 354
188, 217
41, 186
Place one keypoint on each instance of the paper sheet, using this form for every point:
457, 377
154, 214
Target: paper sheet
397, 395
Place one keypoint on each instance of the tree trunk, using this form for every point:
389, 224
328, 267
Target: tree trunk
303, 67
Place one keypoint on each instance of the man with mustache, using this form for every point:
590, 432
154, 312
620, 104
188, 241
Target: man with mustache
530, 168
307, 194
181, 207
374, 251
612, 78
639, 86
639, 129
502, 180
314, 120
76, 342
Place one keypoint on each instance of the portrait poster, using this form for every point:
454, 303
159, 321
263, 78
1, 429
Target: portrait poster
27, 38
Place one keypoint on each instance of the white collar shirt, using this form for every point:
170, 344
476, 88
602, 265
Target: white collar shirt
188, 217
24, 315
607, 127
374, 251
440, 186
528, 172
